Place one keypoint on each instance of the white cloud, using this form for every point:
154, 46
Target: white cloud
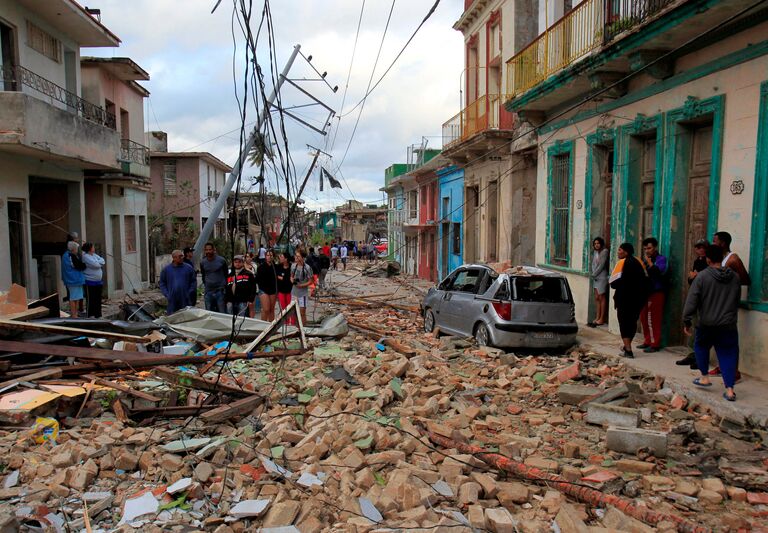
188, 53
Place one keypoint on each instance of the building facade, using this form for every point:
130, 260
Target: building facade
395, 210
450, 233
498, 221
62, 164
184, 188
644, 128
116, 202
361, 222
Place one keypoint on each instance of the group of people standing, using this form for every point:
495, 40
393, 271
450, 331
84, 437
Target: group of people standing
250, 284
82, 274
641, 284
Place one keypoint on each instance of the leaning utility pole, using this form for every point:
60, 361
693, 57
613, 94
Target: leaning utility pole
237, 169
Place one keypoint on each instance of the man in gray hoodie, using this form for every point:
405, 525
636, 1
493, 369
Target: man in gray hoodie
714, 296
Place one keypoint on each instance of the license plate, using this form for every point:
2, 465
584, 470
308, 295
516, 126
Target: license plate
543, 335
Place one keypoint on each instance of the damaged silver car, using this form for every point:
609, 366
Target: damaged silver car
523, 307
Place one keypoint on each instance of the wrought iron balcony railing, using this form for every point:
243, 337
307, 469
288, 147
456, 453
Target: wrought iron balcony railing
588, 26
134, 152
15, 77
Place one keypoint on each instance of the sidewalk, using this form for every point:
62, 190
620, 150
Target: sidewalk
752, 393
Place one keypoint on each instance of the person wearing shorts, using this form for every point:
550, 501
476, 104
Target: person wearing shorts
301, 278
284, 284
266, 280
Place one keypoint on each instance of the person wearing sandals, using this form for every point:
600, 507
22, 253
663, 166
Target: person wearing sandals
599, 274
714, 297
629, 282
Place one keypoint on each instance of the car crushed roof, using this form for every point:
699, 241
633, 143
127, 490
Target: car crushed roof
514, 271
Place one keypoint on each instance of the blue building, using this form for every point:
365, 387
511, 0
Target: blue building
451, 213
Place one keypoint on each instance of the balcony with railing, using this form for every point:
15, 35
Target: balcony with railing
134, 158
590, 26
36, 118
484, 114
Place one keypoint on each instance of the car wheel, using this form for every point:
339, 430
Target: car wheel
482, 336
429, 321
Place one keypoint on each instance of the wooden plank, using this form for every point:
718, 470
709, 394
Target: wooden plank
97, 354
149, 362
194, 381
243, 406
47, 373
50, 328
264, 335
122, 388
171, 412
29, 314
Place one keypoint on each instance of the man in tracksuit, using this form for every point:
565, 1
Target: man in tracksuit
241, 287
714, 296
650, 317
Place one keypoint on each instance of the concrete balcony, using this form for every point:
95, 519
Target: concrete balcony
42, 120
476, 126
599, 42
134, 159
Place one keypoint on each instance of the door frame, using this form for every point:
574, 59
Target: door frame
674, 122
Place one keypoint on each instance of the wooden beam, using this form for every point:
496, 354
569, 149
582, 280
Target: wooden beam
122, 388
47, 373
264, 335
97, 354
194, 381
170, 412
243, 406
150, 362
50, 328
29, 314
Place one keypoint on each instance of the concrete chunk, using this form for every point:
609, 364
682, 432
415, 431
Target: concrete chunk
572, 394
630, 440
612, 415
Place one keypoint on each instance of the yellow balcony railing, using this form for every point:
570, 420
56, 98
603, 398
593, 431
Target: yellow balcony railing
483, 114
570, 38
586, 27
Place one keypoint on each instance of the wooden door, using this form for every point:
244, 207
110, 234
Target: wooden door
697, 201
647, 185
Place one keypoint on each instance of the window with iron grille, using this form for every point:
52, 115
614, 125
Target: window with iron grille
169, 178
456, 234
559, 208
42, 41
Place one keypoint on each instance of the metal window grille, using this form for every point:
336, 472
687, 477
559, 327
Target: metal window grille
169, 178
42, 41
560, 202
456, 238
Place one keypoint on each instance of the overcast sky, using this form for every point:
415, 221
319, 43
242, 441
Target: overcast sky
188, 53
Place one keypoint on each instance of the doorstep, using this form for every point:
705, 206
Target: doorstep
752, 393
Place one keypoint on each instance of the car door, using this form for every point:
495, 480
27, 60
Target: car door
436, 297
457, 306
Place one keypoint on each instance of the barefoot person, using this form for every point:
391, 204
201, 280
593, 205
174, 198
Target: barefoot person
599, 275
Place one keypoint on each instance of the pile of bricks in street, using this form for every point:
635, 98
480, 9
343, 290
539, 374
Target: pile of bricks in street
352, 436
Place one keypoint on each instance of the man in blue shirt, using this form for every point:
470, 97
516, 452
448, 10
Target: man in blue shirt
177, 282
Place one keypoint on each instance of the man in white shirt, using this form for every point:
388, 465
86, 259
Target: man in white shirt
262, 253
343, 252
335, 256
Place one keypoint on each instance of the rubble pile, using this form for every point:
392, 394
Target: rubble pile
386, 427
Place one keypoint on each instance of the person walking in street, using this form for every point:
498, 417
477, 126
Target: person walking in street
266, 280
343, 253
599, 274
313, 260
301, 278
731, 260
656, 267
714, 298
326, 250
72, 268
699, 264
213, 269
262, 254
189, 253
335, 257
629, 282
250, 265
93, 280
177, 282
324, 262
241, 288
284, 283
